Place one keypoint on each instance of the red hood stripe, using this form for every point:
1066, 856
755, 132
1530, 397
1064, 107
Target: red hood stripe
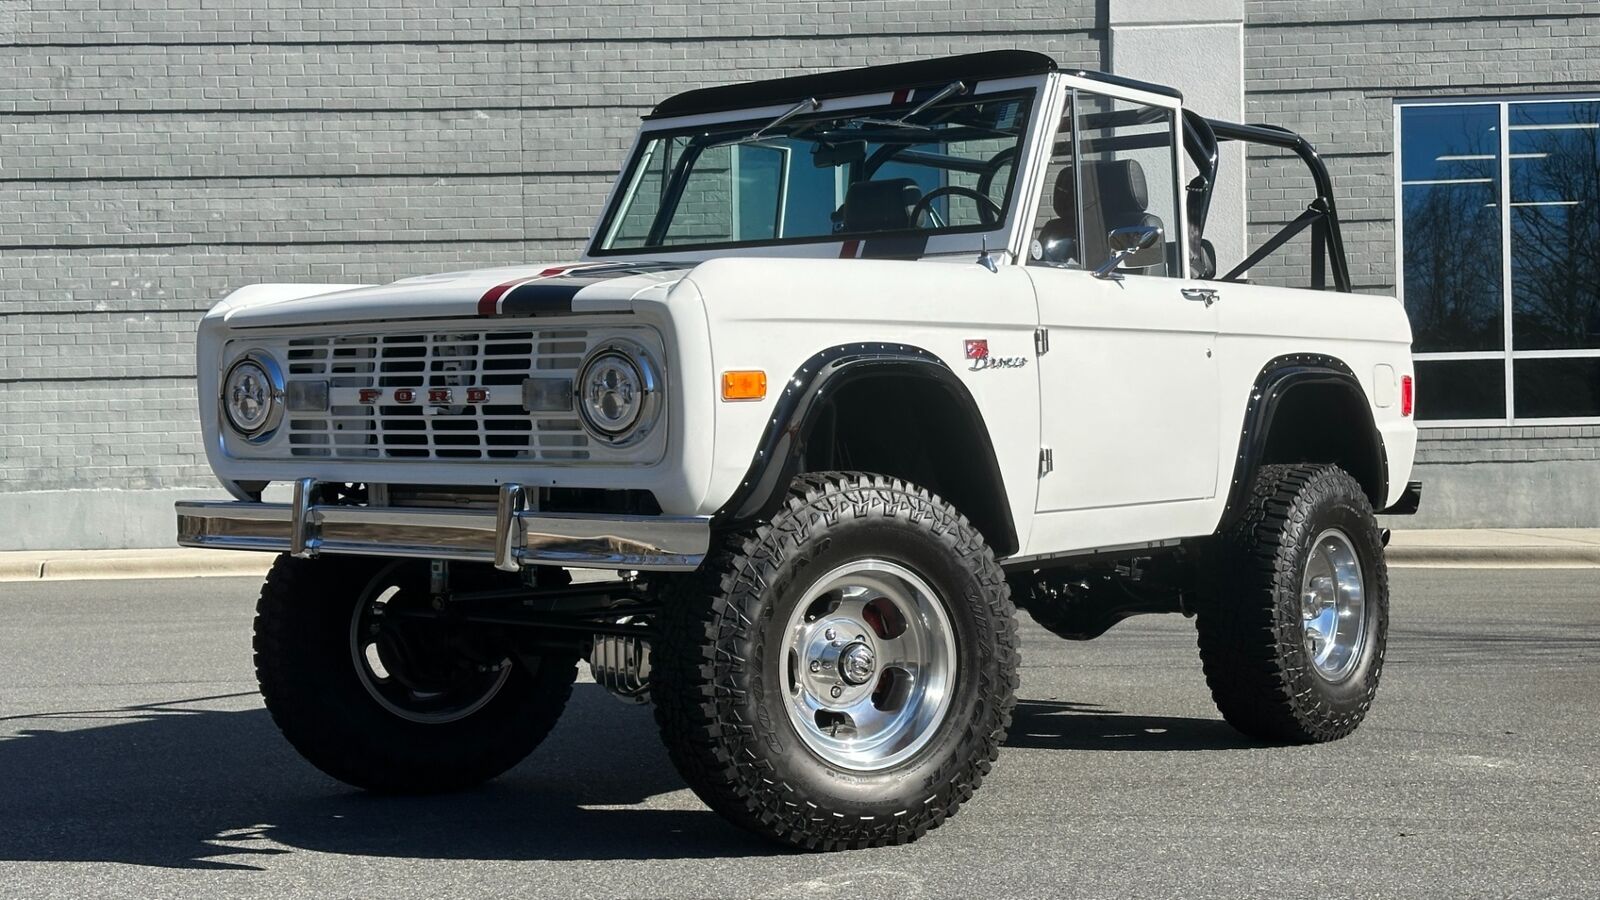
557, 286
490, 300
489, 303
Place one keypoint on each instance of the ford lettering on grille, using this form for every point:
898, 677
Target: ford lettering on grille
437, 395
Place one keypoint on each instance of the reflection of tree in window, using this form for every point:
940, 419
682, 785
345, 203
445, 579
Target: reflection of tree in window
1555, 226
1452, 241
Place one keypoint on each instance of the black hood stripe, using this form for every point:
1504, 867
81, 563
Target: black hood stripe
551, 292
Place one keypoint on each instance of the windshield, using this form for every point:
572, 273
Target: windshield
915, 168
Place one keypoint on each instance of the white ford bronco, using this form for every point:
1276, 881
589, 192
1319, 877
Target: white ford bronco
853, 362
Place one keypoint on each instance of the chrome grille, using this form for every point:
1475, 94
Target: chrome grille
500, 429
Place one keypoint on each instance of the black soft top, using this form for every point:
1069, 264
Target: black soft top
970, 67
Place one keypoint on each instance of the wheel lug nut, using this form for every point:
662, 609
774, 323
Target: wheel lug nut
830, 634
816, 665
835, 691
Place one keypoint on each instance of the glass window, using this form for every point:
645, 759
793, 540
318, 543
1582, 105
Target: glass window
1450, 176
1464, 224
1555, 225
939, 168
1557, 388
1055, 226
1461, 389
1117, 171
1125, 175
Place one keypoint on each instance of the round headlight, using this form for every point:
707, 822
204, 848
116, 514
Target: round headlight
252, 396
618, 393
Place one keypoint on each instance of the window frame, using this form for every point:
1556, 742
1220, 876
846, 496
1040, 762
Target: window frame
1067, 108
1508, 353
1026, 91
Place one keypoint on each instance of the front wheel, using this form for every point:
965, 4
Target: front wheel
374, 691
844, 676
1292, 635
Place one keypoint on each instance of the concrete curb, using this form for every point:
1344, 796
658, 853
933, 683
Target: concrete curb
1546, 557
1485, 549
86, 565
83, 565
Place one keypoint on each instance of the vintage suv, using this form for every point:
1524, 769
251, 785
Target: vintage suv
852, 361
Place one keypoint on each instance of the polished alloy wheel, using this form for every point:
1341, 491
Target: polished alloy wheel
870, 665
417, 670
1333, 606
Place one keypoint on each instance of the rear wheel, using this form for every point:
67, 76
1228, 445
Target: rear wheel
393, 702
844, 676
1292, 639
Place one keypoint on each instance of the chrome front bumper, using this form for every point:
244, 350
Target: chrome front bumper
510, 537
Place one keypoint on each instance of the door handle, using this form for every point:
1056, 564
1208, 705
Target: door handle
1207, 296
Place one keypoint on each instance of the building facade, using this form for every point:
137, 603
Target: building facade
155, 156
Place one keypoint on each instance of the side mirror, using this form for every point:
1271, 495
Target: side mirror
1125, 242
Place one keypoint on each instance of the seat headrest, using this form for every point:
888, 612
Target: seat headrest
879, 205
1064, 198
1120, 184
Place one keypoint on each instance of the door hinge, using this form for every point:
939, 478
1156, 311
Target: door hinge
1041, 341
1047, 461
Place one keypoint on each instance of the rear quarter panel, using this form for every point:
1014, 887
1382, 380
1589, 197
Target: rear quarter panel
1369, 333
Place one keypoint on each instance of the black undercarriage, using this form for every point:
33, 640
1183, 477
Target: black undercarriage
544, 611
1082, 601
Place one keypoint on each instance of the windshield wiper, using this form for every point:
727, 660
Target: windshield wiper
953, 89
760, 134
809, 104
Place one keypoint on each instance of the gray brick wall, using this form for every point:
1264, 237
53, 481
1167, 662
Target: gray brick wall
156, 155
1517, 444
1331, 70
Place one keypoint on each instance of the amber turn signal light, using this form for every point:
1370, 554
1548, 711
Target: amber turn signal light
744, 385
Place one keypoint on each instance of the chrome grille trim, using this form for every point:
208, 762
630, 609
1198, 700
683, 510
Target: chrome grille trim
455, 356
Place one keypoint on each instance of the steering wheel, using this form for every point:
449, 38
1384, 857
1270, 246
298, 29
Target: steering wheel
993, 166
988, 210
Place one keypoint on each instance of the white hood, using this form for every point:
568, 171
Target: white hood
509, 292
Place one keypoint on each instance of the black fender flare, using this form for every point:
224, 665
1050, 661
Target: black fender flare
806, 394
1276, 380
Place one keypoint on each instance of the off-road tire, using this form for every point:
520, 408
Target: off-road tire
1251, 631
310, 685
719, 697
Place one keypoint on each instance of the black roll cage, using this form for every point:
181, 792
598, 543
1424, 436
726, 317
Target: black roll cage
1201, 137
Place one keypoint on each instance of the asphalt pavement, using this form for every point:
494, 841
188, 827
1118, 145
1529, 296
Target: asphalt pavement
136, 760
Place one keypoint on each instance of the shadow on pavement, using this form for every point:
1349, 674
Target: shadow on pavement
1058, 725
168, 785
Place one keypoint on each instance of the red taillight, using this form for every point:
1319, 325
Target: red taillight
1406, 395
